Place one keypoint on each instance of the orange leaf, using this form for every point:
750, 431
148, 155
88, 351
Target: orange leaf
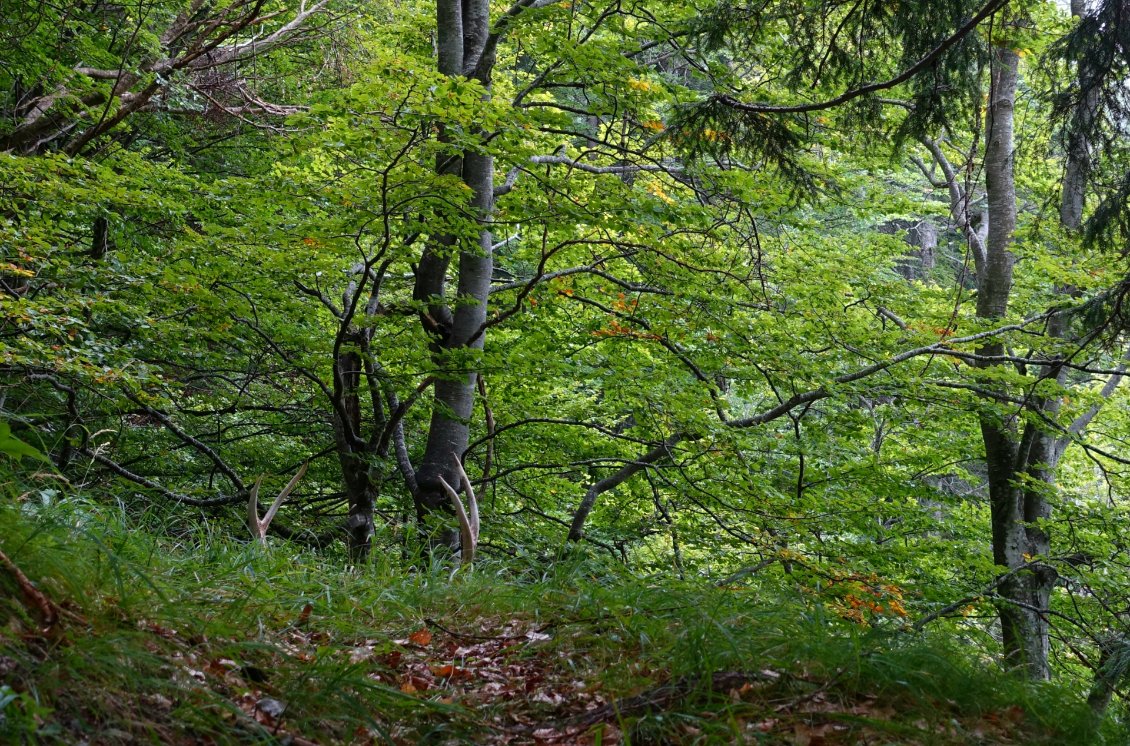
421, 637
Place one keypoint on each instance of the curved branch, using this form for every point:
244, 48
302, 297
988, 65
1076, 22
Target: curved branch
204, 448
989, 9
776, 412
125, 473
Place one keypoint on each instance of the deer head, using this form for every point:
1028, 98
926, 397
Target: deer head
468, 521
259, 527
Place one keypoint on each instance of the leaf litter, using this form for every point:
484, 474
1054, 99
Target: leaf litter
517, 687
512, 682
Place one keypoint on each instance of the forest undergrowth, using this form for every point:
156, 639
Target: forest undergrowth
164, 636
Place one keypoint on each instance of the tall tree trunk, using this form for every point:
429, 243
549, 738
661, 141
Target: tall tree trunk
1024, 627
462, 30
1022, 467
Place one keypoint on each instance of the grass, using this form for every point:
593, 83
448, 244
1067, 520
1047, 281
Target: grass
207, 639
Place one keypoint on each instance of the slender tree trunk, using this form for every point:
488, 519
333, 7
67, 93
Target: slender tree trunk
1023, 468
462, 29
1025, 593
355, 460
1078, 166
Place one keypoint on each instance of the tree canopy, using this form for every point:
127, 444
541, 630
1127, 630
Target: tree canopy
806, 295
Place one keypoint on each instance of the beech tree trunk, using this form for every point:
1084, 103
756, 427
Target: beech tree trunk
1022, 462
1008, 454
1022, 453
456, 329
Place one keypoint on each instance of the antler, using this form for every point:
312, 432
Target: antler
259, 527
468, 524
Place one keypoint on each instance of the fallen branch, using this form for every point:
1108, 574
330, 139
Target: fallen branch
46, 611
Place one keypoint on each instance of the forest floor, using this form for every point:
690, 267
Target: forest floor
115, 636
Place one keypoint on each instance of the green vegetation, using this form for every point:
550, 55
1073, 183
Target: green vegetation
704, 371
178, 640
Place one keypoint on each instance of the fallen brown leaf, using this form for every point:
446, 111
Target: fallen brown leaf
421, 637
449, 671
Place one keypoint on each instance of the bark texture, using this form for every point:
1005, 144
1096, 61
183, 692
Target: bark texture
456, 328
1022, 453
1009, 455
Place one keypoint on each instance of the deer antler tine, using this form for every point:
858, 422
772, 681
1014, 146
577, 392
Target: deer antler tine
283, 495
253, 522
473, 503
259, 527
467, 538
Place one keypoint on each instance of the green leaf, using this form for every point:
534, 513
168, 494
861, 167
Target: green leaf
12, 446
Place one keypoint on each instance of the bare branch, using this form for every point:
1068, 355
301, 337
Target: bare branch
937, 348
320, 296
628, 168
172, 427
281, 35
1076, 428
125, 473
959, 200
